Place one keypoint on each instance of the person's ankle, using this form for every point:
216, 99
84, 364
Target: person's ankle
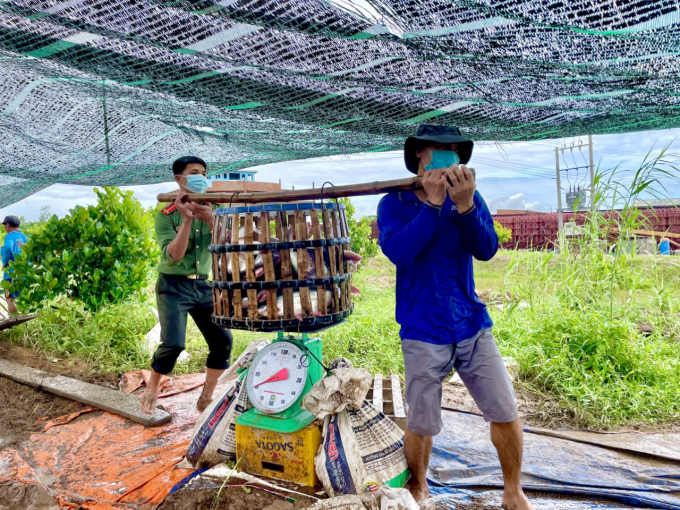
513, 491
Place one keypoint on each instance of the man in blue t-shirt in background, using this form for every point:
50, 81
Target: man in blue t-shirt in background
14, 240
431, 236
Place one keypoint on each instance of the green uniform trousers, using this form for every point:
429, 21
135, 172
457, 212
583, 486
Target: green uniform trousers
176, 296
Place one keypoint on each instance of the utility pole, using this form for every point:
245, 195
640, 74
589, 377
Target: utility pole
560, 221
592, 174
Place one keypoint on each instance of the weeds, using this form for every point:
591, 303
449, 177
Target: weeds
111, 338
579, 340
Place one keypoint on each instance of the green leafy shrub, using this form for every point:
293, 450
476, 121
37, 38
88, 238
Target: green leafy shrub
504, 234
98, 254
360, 232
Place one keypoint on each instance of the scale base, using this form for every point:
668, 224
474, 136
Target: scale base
287, 457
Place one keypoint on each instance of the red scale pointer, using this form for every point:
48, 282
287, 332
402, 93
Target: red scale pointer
278, 376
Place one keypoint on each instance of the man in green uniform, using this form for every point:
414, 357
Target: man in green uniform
184, 232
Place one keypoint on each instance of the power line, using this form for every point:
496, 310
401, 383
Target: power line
515, 167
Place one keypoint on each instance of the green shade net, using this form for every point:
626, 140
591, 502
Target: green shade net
99, 92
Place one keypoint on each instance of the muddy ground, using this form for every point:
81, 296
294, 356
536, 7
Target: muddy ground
231, 498
21, 496
25, 410
539, 411
533, 409
69, 367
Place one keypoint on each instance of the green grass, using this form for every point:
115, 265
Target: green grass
112, 338
570, 322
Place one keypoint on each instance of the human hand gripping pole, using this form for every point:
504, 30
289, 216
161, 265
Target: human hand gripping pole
460, 186
202, 212
434, 187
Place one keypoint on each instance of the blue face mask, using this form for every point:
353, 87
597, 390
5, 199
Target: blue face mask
442, 159
197, 183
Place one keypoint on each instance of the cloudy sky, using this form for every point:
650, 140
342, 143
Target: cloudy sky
509, 175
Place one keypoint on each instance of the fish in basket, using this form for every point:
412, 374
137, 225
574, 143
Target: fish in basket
282, 267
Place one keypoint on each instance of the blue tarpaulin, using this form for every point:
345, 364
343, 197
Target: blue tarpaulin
464, 465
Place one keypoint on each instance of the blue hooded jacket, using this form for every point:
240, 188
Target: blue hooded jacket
433, 250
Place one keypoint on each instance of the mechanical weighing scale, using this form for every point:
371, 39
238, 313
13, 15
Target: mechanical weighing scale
277, 438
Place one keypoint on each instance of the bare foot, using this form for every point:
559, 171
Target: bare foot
147, 402
205, 398
419, 493
516, 501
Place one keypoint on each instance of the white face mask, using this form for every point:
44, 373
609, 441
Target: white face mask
197, 183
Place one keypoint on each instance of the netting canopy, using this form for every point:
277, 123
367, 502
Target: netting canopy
110, 92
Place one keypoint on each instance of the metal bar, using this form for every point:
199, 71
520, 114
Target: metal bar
560, 220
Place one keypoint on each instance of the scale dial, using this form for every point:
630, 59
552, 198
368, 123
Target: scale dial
277, 377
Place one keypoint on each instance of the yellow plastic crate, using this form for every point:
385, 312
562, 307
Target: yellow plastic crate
277, 455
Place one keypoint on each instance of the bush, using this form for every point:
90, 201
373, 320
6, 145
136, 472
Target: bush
504, 234
98, 254
360, 232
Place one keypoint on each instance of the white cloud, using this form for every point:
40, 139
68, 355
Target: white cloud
517, 202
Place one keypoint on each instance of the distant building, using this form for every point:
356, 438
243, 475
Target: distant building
539, 231
516, 212
240, 180
664, 202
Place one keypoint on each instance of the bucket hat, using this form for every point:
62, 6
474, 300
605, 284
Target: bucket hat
439, 134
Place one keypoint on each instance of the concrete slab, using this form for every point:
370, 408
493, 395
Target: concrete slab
106, 399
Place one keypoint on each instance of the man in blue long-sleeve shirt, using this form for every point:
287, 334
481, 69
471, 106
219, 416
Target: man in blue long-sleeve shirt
432, 236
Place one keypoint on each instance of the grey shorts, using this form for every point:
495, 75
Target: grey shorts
480, 367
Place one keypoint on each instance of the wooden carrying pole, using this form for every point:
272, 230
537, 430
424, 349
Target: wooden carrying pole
351, 190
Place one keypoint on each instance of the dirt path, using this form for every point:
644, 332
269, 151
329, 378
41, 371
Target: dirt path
537, 411
69, 367
25, 410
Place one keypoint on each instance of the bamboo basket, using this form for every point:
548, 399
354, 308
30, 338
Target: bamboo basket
281, 267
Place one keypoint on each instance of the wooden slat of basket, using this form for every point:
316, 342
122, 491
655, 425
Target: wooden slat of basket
217, 305
318, 258
331, 261
250, 267
269, 273
303, 263
224, 276
235, 271
345, 264
286, 266
337, 232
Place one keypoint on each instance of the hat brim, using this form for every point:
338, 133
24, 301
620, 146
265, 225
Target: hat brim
412, 161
